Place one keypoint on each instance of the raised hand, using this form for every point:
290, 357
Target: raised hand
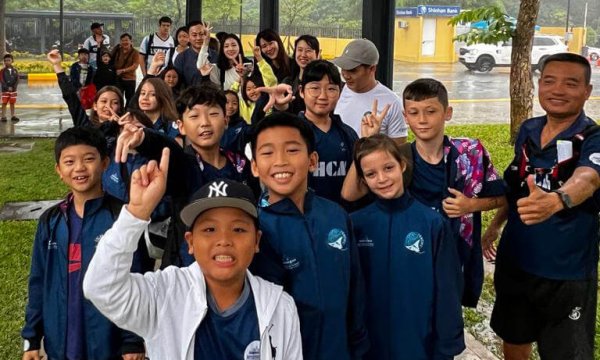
206, 69
131, 136
281, 95
458, 205
54, 57
256, 50
148, 185
239, 65
539, 205
158, 60
371, 121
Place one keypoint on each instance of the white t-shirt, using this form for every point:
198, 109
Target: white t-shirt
92, 45
158, 44
352, 106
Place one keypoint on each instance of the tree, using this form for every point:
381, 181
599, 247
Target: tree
521, 81
2, 30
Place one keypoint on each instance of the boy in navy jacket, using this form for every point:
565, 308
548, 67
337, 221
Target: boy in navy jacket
202, 122
307, 244
454, 176
65, 242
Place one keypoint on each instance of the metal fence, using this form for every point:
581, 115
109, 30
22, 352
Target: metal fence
38, 31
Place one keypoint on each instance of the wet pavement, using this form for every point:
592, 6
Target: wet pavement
476, 97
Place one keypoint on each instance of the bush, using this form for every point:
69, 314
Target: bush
37, 66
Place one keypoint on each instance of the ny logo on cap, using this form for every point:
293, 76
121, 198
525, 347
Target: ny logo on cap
218, 189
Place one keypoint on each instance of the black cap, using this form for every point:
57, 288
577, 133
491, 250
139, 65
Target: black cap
83, 51
96, 25
219, 193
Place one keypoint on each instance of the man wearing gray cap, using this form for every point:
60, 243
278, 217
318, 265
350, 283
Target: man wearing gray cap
359, 63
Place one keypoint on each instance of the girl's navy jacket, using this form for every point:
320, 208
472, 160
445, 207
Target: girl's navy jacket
413, 280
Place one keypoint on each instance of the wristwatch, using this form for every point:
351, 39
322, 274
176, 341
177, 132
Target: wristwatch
564, 198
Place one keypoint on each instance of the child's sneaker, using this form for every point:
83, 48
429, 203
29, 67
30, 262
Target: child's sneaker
3, 119
14, 119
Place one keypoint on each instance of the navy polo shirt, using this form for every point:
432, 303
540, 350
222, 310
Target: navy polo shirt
428, 181
75, 347
230, 334
564, 247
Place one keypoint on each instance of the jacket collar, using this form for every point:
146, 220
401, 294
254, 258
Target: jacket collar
286, 206
91, 206
397, 204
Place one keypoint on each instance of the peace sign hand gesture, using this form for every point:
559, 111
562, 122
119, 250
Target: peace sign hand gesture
257, 53
371, 121
279, 96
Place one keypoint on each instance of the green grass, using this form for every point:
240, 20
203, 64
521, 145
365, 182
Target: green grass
31, 176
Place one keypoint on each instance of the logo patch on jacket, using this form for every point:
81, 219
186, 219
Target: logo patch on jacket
337, 239
290, 263
414, 242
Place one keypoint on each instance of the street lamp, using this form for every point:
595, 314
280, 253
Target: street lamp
567, 23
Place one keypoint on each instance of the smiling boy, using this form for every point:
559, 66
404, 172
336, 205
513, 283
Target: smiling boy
307, 244
65, 241
212, 309
202, 122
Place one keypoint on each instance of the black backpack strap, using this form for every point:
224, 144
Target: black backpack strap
148, 46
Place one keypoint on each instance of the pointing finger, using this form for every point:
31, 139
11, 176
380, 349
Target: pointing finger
164, 161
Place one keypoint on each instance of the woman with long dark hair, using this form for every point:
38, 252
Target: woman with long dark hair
273, 51
229, 68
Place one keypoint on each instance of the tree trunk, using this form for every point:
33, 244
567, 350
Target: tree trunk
521, 82
2, 29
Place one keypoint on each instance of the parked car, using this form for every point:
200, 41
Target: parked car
593, 53
484, 57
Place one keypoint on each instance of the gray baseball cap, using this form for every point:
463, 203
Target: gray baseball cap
357, 52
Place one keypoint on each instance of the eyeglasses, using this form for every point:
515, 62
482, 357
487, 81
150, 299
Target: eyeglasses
315, 91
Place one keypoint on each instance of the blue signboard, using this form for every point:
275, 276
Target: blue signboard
407, 11
437, 10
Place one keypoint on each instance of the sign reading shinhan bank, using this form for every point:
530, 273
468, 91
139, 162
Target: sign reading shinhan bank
436, 10
428, 10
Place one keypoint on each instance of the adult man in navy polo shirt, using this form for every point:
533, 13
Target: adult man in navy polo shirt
546, 272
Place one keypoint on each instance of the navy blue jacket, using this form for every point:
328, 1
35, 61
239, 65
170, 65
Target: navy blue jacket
185, 64
46, 312
314, 256
76, 70
413, 279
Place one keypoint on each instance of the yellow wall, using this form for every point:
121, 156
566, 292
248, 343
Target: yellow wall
575, 44
407, 43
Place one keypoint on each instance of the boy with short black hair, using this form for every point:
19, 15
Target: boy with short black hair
307, 244
81, 73
454, 176
212, 309
202, 122
65, 241
9, 79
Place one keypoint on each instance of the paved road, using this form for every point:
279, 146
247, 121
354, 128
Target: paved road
476, 98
